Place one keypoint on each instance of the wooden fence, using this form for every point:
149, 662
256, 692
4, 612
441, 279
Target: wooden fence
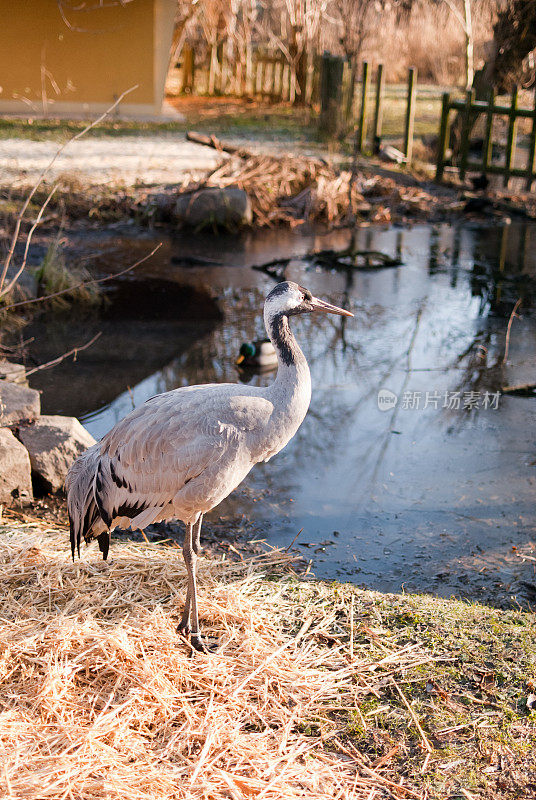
337, 103
469, 110
268, 77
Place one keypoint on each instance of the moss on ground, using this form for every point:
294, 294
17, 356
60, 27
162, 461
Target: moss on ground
470, 696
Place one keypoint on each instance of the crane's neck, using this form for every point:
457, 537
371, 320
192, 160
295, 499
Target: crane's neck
293, 381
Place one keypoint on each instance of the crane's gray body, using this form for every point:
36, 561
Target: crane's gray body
182, 452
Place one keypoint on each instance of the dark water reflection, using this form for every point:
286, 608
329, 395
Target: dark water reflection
430, 499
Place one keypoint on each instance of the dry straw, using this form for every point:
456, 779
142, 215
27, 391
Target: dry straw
101, 699
289, 189
293, 189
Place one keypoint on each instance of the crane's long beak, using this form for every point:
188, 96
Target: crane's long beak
327, 308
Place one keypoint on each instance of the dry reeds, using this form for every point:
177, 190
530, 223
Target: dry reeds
101, 698
288, 189
292, 189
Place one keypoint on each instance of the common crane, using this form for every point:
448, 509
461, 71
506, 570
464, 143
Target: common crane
182, 452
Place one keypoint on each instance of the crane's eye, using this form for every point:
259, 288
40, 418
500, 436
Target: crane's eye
306, 294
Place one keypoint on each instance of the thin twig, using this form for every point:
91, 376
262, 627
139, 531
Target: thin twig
509, 328
292, 542
424, 739
44, 172
84, 283
74, 352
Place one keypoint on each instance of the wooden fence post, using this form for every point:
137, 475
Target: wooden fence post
443, 137
362, 129
331, 93
188, 70
317, 79
532, 149
466, 133
286, 79
488, 139
378, 111
511, 140
410, 113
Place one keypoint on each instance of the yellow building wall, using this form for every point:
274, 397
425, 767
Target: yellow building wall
59, 56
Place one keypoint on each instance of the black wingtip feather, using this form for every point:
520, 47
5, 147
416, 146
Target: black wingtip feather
71, 535
104, 544
75, 538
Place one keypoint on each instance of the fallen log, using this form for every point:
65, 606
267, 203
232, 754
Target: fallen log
333, 259
371, 259
217, 144
520, 390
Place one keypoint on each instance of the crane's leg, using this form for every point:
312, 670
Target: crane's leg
184, 627
190, 605
197, 535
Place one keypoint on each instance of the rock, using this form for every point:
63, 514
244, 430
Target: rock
14, 373
15, 472
53, 444
18, 403
229, 207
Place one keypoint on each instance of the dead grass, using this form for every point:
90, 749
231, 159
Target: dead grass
316, 690
67, 285
290, 190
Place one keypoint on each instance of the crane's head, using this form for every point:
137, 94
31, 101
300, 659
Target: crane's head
288, 299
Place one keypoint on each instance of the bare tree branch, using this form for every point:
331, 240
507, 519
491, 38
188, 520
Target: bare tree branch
61, 358
22, 267
83, 283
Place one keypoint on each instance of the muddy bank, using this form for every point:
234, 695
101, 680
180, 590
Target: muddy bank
264, 191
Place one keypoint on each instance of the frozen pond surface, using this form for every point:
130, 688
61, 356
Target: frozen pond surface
425, 495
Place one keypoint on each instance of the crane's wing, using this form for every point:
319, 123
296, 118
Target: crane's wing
149, 457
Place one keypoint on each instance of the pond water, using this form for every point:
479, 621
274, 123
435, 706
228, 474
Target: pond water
417, 494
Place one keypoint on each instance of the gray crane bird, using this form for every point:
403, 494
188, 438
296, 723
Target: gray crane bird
182, 452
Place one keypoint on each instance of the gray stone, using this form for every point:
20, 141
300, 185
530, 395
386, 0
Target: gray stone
18, 403
15, 472
53, 444
14, 373
229, 207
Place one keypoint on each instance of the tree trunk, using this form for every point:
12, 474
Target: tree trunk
469, 58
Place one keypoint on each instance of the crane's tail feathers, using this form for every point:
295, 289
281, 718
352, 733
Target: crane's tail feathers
104, 543
72, 534
84, 517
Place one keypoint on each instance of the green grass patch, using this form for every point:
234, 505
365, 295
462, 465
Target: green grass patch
469, 694
276, 122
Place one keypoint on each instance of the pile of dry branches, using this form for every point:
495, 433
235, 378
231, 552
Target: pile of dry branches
289, 189
292, 189
101, 699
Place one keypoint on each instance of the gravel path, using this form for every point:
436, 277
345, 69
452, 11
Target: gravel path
123, 159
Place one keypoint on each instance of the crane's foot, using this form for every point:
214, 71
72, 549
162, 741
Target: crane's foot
184, 630
201, 645
195, 640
